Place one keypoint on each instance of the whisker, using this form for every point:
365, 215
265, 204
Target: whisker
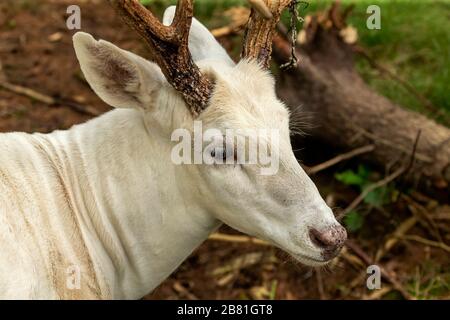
300, 121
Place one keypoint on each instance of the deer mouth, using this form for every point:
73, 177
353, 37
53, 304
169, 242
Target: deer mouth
310, 260
304, 258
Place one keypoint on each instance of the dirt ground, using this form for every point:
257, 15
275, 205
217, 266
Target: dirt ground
36, 52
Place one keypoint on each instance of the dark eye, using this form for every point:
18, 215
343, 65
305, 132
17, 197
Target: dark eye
221, 154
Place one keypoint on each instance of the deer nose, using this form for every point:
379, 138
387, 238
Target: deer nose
330, 240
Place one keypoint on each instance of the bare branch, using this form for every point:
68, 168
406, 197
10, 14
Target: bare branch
426, 242
384, 181
32, 94
238, 239
340, 158
385, 272
371, 188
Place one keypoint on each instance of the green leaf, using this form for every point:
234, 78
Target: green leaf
353, 221
145, 2
379, 196
363, 172
350, 178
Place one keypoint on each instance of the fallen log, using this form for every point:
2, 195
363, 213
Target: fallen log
348, 113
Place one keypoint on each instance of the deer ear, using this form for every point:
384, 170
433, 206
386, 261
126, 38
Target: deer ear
202, 44
120, 78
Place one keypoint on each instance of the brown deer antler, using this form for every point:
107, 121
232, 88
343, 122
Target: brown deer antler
169, 49
260, 29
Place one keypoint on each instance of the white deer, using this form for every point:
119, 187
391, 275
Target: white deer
100, 211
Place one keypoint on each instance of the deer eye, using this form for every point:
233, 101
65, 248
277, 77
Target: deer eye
221, 154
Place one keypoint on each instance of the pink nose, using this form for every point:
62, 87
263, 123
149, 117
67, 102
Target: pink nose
330, 240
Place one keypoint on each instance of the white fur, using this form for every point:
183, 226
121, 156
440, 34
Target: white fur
104, 195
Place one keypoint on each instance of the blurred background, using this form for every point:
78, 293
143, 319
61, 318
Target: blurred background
376, 102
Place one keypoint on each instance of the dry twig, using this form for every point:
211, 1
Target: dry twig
427, 242
384, 272
426, 220
238, 16
320, 287
383, 181
339, 158
377, 294
392, 240
32, 94
241, 262
371, 188
28, 93
353, 260
238, 239
185, 292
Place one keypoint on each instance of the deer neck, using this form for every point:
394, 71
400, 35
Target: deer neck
139, 216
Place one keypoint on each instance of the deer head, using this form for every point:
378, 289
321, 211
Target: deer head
193, 79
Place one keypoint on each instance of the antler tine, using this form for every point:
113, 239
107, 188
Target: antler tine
261, 7
169, 49
260, 29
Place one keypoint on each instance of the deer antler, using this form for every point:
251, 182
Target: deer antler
169, 49
260, 29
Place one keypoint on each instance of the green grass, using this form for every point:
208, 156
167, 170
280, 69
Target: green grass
429, 282
414, 43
